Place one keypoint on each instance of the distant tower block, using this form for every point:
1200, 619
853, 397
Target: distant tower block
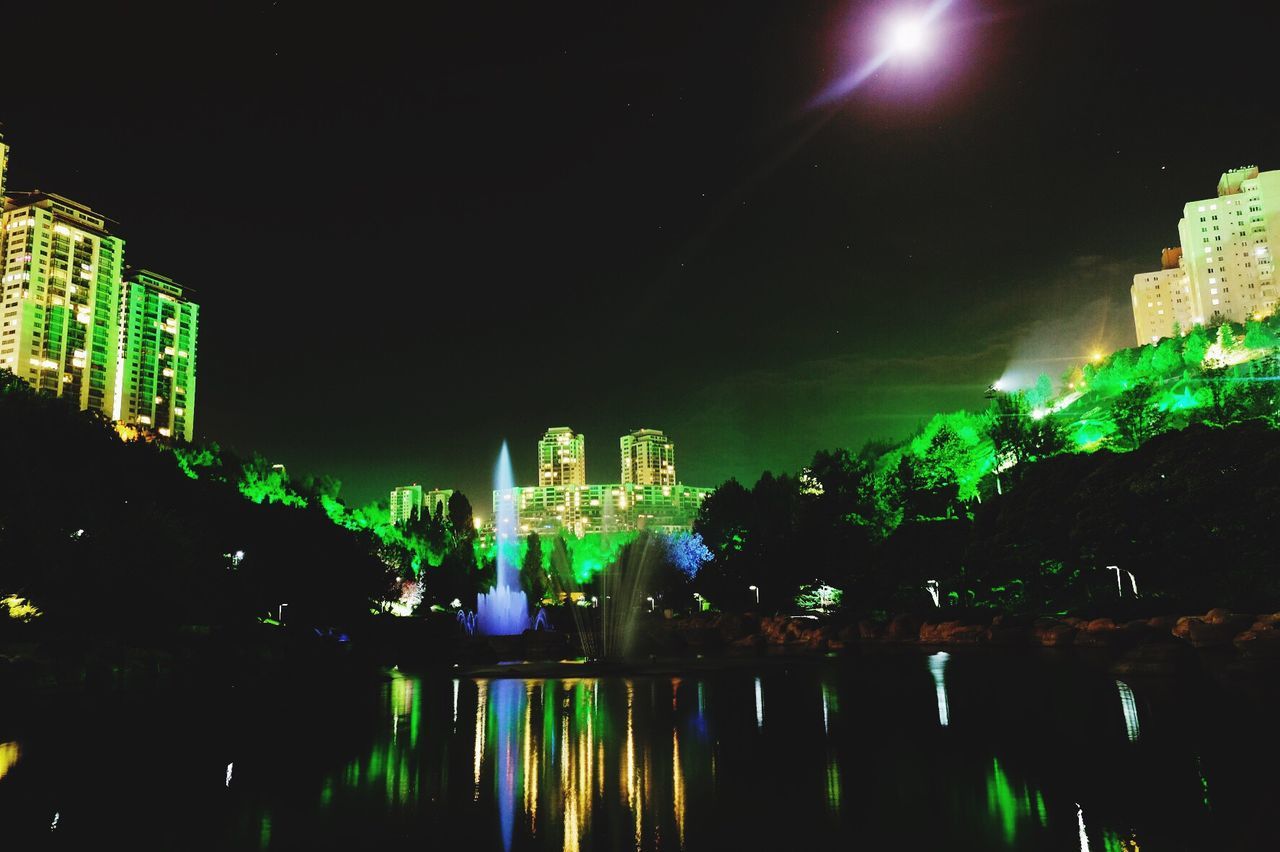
1223, 267
61, 298
562, 457
157, 374
648, 458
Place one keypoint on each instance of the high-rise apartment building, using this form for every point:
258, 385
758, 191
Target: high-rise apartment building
60, 298
1226, 268
436, 501
4, 165
562, 458
406, 503
648, 458
156, 378
648, 497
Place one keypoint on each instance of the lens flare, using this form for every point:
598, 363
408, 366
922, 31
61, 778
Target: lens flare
908, 36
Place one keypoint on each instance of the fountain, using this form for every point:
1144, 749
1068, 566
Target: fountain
504, 610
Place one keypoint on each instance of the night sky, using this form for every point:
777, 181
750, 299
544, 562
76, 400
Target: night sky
416, 234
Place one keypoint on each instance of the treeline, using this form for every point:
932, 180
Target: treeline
1025, 504
105, 535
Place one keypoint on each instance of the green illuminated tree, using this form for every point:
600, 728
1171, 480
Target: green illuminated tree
1136, 415
1258, 336
1017, 437
1167, 360
1194, 346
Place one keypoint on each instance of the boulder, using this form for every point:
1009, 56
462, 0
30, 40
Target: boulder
953, 633
1051, 632
1098, 633
903, 628
1182, 627
1203, 634
1258, 644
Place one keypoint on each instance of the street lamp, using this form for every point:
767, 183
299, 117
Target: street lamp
650, 600
280, 613
755, 589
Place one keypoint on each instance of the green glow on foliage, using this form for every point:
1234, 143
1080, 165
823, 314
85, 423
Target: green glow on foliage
592, 553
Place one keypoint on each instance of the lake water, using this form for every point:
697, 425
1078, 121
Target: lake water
984, 750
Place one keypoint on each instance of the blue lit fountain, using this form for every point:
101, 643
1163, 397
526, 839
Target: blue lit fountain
504, 610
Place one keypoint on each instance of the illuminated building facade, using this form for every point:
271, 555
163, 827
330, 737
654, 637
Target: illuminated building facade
4, 165
436, 501
156, 378
406, 503
1226, 265
562, 458
584, 509
648, 458
60, 298
648, 497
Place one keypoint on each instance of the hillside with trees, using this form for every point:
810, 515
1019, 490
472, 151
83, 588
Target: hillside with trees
1157, 458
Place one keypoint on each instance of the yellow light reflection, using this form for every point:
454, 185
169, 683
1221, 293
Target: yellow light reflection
677, 784
9, 754
482, 692
530, 768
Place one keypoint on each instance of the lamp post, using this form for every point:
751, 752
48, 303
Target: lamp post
697, 597
280, 613
755, 589
650, 600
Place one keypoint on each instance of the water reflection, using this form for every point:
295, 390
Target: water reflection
9, 754
853, 755
938, 668
1130, 708
1011, 804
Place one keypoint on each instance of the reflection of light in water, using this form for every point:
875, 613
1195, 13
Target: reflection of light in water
229, 765
677, 784
528, 768
482, 691
826, 692
56, 816
1084, 838
938, 668
833, 783
1009, 804
1130, 708
9, 754
455, 703
759, 705
504, 698
1204, 782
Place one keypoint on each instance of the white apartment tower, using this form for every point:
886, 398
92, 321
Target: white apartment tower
406, 503
648, 458
562, 457
60, 298
156, 378
4, 165
1226, 269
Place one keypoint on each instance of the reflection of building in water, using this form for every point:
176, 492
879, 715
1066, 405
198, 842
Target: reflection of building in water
545, 756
